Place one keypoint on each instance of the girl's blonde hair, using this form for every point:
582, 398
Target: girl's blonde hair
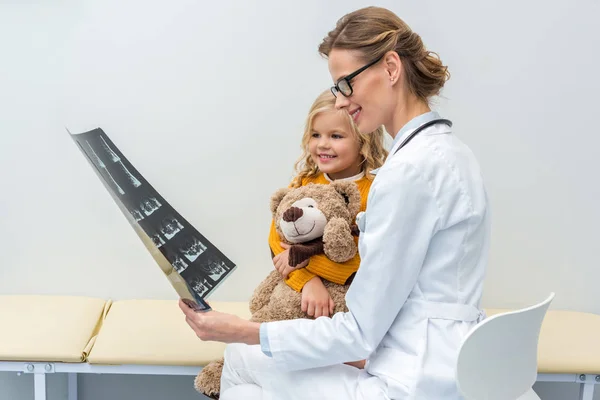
373, 31
372, 148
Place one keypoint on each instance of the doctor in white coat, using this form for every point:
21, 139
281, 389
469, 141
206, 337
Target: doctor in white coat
424, 245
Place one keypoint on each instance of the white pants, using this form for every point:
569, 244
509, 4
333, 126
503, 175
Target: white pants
249, 374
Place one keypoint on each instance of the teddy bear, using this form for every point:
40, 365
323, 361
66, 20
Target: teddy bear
312, 219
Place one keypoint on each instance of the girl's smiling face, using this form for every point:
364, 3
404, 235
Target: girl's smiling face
333, 146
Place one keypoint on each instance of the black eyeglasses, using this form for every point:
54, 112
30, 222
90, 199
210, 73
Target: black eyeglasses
343, 85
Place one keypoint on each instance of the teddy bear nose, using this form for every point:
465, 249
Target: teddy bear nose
292, 214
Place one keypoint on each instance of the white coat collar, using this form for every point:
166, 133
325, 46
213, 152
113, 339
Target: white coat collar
410, 126
408, 129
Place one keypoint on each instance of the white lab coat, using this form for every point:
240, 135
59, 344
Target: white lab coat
424, 249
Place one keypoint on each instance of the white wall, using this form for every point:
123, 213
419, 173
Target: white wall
208, 101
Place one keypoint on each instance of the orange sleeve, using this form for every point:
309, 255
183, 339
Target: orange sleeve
298, 278
334, 272
321, 266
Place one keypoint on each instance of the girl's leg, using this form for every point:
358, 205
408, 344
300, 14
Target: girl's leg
248, 365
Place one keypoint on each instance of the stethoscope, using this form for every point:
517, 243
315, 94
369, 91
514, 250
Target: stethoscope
360, 221
421, 128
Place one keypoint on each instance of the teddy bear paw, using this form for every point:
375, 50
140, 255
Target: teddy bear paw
208, 381
338, 241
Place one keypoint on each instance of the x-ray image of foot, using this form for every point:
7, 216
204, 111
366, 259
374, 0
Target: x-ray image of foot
178, 263
137, 214
192, 249
201, 286
103, 169
149, 205
99, 163
193, 265
134, 181
170, 227
113, 156
157, 240
215, 269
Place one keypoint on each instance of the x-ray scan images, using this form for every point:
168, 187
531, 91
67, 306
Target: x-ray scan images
192, 249
193, 265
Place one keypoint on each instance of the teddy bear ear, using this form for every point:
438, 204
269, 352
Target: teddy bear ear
277, 197
350, 193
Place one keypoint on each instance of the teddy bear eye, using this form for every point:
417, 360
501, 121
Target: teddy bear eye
310, 206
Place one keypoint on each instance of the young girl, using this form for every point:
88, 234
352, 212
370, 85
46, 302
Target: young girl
333, 149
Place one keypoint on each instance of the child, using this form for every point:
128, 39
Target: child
333, 149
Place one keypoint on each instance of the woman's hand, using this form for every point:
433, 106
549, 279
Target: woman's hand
280, 261
221, 327
316, 300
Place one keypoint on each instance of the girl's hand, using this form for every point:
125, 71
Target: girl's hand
280, 262
315, 299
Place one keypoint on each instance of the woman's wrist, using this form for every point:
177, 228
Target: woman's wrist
250, 333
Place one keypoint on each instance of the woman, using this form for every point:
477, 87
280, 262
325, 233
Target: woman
424, 245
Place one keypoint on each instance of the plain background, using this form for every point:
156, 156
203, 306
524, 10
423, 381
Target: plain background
208, 100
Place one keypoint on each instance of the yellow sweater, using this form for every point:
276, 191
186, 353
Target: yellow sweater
320, 265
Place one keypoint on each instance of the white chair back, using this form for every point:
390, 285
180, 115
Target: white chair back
498, 358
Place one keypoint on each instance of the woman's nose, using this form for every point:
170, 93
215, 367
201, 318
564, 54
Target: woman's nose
341, 101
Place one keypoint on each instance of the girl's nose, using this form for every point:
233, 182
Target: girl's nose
323, 143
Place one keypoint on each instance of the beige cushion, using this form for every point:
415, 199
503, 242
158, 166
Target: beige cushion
48, 328
569, 342
154, 332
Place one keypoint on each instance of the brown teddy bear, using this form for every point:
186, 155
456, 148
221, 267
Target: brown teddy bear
313, 219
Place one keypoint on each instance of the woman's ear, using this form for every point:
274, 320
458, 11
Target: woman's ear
393, 66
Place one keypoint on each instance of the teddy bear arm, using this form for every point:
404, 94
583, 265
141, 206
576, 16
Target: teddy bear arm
302, 252
339, 245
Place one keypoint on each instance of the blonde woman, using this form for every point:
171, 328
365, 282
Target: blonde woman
424, 244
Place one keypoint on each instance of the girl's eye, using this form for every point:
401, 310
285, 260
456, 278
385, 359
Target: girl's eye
336, 136
315, 135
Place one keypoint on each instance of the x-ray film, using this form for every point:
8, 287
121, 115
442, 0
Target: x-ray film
193, 265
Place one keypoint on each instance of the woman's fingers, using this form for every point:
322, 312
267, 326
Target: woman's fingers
214, 325
196, 320
185, 308
191, 324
